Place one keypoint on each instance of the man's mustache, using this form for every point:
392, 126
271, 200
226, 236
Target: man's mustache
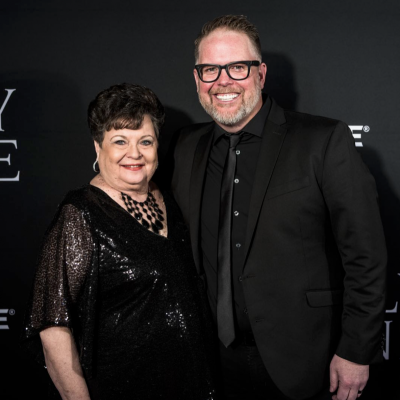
228, 89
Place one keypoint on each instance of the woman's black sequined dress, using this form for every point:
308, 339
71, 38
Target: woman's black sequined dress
131, 298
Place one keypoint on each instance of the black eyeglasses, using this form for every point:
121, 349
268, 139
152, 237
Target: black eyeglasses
237, 70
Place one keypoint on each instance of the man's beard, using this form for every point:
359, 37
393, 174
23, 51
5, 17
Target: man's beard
233, 118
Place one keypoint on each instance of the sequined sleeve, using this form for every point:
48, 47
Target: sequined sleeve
62, 268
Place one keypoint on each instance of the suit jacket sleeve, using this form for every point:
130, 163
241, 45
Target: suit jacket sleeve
350, 194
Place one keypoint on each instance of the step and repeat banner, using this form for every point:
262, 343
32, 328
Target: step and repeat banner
337, 59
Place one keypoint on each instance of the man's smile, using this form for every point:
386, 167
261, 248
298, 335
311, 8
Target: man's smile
226, 96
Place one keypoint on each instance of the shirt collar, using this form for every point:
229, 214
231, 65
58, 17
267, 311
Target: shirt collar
255, 125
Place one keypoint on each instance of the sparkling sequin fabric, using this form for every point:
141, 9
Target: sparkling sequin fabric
132, 299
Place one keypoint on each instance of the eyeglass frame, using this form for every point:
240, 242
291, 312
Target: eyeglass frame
255, 63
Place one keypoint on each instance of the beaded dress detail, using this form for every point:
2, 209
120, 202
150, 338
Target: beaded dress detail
147, 212
132, 299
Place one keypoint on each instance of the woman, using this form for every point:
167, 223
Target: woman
116, 299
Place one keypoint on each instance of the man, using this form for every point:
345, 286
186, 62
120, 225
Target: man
285, 230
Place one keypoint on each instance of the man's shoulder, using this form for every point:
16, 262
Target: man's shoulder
304, 120
196, 130
315, 129
312, 133
189, 136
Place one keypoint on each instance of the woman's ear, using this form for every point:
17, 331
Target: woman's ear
97, 148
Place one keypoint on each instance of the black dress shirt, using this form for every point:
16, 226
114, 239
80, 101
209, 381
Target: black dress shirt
246, 163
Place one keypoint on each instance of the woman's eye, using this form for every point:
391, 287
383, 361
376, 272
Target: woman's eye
120, 142
146, 142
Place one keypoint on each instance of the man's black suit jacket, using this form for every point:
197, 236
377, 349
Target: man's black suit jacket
314, 271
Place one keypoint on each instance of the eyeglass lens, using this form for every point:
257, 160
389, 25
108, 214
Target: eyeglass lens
235, 71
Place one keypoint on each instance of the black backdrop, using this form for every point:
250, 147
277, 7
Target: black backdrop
339, 59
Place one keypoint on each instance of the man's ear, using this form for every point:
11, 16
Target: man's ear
197, 79
262, 72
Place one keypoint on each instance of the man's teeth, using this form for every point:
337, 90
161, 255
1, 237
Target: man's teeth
228, 96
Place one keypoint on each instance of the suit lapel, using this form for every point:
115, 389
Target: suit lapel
272, 140
196, 187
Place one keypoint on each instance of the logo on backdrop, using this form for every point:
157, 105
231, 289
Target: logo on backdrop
5, 313
387, 331
357, 130
7, 143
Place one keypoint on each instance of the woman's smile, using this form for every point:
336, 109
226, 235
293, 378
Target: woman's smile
133, 167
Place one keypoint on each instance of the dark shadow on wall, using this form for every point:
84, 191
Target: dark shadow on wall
174, 120
54, 154
383, 383
280, 81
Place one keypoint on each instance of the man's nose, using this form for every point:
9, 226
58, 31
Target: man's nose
224, 78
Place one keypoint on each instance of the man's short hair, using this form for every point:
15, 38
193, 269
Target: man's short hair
124, 106
238, 23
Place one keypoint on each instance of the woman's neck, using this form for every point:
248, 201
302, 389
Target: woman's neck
137, 193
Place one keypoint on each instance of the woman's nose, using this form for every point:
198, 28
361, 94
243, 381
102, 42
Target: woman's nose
134, 152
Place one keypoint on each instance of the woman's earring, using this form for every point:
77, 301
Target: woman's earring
94, 167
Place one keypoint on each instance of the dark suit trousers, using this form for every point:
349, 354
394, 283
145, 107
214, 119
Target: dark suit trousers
246, 378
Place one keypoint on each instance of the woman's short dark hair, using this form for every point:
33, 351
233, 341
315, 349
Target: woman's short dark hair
124, 107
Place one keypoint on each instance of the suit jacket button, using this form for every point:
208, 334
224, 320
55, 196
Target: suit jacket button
240, 278
245, 310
